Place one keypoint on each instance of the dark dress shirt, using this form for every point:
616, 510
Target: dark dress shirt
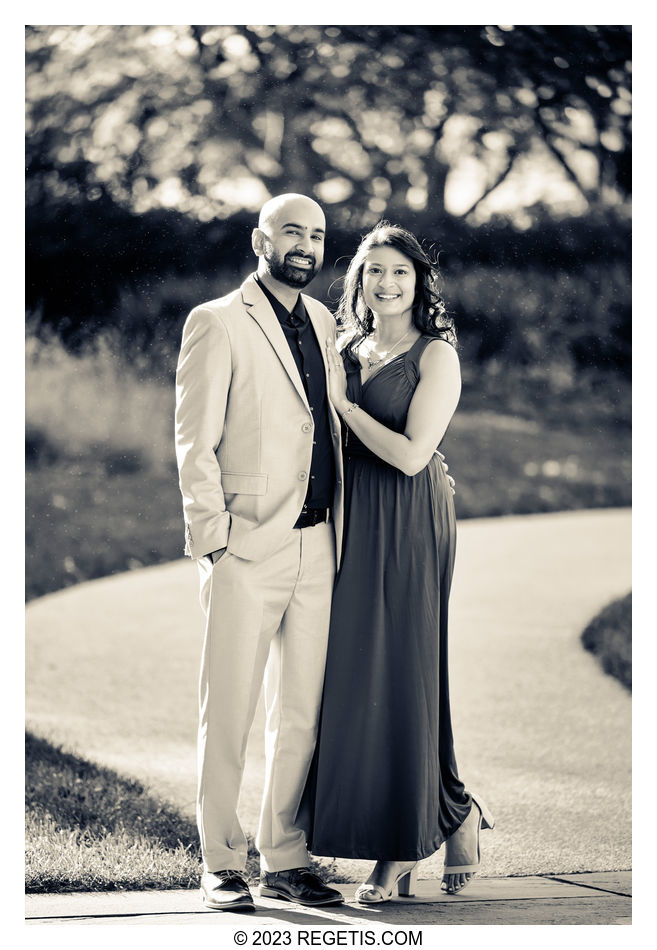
307, 354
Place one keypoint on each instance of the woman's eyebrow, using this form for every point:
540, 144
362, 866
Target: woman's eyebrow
379, 264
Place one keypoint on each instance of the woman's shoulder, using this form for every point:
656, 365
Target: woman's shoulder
429, 344
432, 354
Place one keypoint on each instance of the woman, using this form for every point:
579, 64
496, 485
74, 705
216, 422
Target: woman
384, 782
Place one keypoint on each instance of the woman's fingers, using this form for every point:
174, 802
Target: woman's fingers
332, 354
333, 358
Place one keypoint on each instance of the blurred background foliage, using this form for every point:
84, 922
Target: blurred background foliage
150, 149
210, 120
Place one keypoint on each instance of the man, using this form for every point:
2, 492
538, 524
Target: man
258, 448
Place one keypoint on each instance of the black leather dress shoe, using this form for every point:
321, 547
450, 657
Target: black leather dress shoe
226, 890
299, 885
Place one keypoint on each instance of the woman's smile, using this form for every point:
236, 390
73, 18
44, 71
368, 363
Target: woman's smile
388, 281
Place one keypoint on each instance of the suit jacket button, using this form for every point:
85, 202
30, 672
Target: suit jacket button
303, 476
306, 427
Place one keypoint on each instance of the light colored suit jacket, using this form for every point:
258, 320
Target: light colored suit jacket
244, 429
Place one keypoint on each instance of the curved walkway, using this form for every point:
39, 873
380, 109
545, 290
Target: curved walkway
540, 730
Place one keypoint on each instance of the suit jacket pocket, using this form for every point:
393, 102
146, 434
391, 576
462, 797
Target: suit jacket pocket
239, 483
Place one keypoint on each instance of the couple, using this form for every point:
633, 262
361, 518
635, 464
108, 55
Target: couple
296, 462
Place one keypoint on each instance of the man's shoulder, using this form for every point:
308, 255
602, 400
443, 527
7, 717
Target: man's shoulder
221, 311
219, 304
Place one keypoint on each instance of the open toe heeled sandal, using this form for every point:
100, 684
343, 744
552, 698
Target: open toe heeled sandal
405, 883
484, 820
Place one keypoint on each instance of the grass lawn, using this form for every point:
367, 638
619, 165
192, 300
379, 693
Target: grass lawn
93, 515
90, 829
102, 490
86, 519
609, 637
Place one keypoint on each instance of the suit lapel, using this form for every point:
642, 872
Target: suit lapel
320, 332
258, 307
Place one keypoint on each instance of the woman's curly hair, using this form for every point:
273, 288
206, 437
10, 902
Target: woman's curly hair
356, 320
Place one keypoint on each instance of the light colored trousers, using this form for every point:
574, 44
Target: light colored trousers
264, 619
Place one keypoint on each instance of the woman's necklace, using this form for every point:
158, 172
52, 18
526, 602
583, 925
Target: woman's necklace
372, 363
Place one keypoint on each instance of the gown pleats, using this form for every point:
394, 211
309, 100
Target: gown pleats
383, 782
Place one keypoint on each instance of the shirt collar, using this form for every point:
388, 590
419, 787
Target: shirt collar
295, 317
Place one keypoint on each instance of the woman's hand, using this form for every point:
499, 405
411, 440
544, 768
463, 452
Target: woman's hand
452, 483
337, 378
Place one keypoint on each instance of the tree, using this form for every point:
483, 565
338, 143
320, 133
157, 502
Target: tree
374, 120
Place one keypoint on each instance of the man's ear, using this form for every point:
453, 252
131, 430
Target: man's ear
258, 238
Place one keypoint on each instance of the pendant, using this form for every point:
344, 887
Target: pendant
372, 363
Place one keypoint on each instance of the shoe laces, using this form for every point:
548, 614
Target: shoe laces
309, 876
230, 875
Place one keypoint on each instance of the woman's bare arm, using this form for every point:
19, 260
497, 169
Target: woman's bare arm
431, 409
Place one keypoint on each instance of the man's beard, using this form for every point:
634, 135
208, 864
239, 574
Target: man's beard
286, 273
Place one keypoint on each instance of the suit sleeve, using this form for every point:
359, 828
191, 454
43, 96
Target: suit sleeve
202, 385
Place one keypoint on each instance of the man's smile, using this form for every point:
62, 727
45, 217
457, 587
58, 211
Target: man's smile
304, 262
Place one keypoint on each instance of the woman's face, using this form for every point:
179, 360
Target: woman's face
388, 282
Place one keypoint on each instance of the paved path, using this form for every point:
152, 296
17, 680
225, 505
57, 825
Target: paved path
540, 730
577, 899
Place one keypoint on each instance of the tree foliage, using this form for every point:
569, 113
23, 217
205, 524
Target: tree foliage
151, 148
373, 120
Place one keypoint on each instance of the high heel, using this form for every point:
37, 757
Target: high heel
484, 820
405, 882
406, 885
487, 820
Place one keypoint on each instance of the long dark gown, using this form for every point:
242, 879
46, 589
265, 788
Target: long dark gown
383, 783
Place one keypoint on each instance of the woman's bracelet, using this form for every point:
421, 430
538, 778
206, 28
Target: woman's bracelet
351, 408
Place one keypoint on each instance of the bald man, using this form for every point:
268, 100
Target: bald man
258, 449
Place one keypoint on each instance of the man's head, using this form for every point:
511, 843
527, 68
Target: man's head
289, 239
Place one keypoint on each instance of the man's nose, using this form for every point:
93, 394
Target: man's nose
304, 244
